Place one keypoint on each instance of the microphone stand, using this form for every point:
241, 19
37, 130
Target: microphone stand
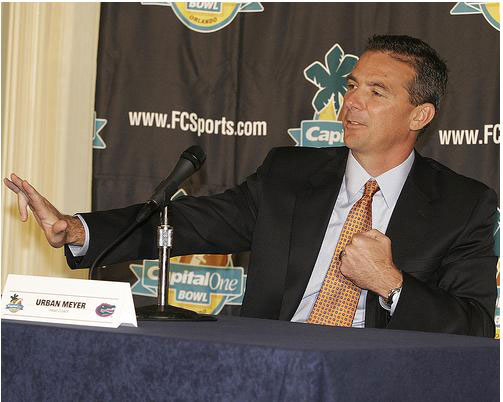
163, 311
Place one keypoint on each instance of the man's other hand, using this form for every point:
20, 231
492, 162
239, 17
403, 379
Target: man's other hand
59, 229
368, 263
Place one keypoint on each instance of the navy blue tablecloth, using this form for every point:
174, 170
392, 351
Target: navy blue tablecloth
243, 359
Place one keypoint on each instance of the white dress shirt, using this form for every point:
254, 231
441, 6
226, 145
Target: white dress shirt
353, 183
80, 251
383, 203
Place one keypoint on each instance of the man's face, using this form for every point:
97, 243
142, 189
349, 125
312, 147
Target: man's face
377, 112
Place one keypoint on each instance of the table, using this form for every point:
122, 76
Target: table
243, 359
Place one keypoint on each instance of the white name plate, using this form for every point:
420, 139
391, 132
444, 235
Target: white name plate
68, 301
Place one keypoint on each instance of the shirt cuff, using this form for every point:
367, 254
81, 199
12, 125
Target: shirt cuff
79, 251
394, 302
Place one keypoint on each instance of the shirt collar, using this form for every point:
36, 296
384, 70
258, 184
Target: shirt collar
390, 182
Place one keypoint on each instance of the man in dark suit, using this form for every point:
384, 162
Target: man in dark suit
428, 262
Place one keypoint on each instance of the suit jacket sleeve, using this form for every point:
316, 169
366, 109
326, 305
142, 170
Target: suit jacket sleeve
463, 300
217, 224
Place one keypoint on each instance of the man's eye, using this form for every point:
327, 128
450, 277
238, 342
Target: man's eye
351, 86
375, 93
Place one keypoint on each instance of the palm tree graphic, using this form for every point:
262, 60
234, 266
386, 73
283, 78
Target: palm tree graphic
330, 78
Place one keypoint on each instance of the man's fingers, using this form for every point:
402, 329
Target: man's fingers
373, 234
376, 233
16, 180
22, 200
28, 196
11, 185
30, 190
22, 205
47, 216
38, 204
16, 184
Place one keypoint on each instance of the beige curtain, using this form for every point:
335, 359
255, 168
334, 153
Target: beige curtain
49, 55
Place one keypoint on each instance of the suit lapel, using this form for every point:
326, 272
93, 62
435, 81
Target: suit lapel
411, 216
313, 208
413, 206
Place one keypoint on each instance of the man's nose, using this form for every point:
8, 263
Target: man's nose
352, 100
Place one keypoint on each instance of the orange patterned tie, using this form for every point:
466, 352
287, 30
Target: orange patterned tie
338, 298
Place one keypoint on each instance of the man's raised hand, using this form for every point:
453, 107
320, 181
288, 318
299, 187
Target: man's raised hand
367, 261
59, 229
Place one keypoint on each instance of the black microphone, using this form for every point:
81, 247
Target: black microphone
190, 162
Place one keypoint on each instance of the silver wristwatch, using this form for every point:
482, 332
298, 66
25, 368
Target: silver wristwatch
392, 292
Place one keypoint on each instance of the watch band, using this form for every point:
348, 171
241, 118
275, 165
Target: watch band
391, 293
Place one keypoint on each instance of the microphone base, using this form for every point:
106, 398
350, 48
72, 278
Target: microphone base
170, 313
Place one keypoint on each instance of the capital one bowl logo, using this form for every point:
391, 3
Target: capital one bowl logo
206, 17
202, 283
325, 129
490, 11
15, 304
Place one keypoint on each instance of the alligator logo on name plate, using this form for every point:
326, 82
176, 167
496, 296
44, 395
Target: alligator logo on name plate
207, 17
325, 129
490, 11
15, 304
105, 310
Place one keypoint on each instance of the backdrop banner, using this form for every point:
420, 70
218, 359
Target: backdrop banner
241, 78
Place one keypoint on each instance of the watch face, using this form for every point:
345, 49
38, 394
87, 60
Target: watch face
392, 293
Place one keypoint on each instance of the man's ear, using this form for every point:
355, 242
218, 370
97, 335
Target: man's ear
421, 116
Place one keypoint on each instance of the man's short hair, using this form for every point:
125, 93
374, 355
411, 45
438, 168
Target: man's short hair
430, 82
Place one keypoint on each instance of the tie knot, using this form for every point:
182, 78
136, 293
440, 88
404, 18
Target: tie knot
371, 187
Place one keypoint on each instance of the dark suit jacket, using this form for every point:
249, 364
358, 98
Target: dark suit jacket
441, 232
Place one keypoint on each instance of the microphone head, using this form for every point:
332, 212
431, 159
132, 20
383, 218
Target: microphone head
195, 155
